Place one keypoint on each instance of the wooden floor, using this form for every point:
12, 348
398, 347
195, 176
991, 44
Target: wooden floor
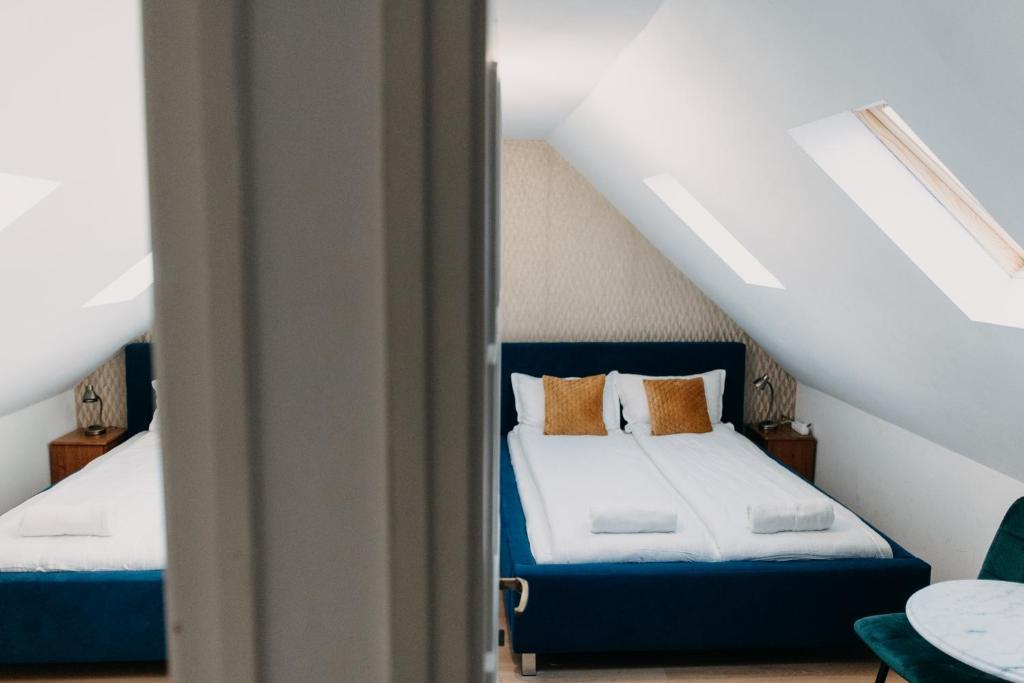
694, 670
564, 669
592, 669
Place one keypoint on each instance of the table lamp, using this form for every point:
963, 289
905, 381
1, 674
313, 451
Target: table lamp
90, 396
769, 424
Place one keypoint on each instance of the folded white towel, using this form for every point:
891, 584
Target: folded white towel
631, 519
811, 514
50, 519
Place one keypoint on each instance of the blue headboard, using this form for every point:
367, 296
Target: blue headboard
138, 375
579, 359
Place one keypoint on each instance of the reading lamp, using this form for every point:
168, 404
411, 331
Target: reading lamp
760, 383
90, 396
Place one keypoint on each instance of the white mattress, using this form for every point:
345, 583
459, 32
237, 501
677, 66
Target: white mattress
128, 481
709, 479
560, 477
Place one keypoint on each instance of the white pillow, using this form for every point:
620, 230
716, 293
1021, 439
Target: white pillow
84, 518
529, 395
154, 424
634, 396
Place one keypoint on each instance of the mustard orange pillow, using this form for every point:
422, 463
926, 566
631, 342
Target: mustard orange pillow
574, 406
678, 406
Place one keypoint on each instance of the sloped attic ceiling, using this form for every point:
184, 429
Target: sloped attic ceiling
551, 53
708, 92
71, 113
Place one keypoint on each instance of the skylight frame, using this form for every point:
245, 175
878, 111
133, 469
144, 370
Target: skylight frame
708, 228
894, 133
921, 226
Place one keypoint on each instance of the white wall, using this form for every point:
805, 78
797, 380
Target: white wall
708, 90
550, 55
938, 504
71, 111
24, 454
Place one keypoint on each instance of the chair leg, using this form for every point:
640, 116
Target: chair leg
528, 664
883, 672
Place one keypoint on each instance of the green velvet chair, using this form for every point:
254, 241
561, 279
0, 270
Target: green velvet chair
897, 644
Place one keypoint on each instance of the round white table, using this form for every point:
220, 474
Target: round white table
980, 623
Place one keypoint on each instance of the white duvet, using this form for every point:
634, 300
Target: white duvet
709, 479
720, 473
561, 477
127, 481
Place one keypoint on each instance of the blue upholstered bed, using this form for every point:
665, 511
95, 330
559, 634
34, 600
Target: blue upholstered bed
680, 606
103, 616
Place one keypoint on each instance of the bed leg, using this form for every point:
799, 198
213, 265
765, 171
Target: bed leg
883, 673
528, 664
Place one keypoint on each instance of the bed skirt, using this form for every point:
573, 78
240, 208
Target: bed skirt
106, 616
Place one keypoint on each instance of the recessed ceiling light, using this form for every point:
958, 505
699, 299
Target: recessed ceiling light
714, 234
133, 282
18, 194
888, 171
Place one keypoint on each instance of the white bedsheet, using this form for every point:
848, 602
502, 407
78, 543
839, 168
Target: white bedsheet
561, 477
128, 481
720, 473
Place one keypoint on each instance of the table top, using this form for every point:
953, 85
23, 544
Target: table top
80, 438
781, 433
980, 623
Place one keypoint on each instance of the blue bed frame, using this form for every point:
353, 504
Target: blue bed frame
107, 616
680, 606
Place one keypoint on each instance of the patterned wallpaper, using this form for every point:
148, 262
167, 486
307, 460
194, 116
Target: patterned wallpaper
574, 269
108, 380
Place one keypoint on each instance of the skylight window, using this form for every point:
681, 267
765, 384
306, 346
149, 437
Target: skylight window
18, 194
893, 132
714, 234
133, 282
888, 171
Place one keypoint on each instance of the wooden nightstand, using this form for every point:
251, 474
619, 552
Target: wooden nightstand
73, 451
795, 451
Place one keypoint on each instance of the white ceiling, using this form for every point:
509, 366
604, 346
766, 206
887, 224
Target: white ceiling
551, 53
71, 109
708, 92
